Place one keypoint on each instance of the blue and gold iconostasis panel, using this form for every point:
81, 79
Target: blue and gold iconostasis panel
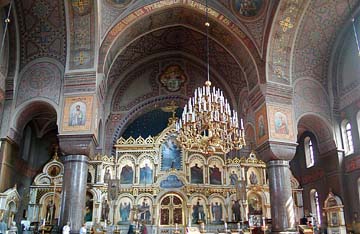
171, 157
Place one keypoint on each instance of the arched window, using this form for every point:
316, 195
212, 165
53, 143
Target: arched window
315, 206
309, 152
347, 137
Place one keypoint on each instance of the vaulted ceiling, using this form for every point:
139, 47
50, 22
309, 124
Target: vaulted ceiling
244, 38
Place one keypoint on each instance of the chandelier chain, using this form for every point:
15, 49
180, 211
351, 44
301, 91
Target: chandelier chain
208, 123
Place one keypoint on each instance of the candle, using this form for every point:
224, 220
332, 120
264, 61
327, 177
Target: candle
176, 226
225, 224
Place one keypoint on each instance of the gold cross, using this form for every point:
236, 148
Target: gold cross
81, 4
286, 24
81, 58
278, 72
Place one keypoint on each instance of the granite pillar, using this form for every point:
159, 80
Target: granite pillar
277, 156
74, 191
282, 205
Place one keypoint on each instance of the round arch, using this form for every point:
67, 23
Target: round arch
320, 127
27, 111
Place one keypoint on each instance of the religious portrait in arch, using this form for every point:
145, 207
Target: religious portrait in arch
107, 175
255, 204
33, 193
196, 173
50, 207
217, 211
89, 202
125, 206
171, 153
236, 211
144, 210
198, 210
54, 171
334, 219
248, 8
50, 210
281, 123
127, 174
253, 177
215, 175
146, 172
105, 209
77, 114
261, 127
172, 78
233, 177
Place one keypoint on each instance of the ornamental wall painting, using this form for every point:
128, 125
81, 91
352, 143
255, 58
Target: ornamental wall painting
171, 157
248, 8
196, 172
146, 172
281, 122
77, 114
261, 125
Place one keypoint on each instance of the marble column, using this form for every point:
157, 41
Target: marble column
282, 207
277, 156
74, 191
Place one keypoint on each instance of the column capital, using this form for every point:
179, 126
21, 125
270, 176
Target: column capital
83, 144
274, 150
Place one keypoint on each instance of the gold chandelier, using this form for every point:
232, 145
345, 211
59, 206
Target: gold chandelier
207, 123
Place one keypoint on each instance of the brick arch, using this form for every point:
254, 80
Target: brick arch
35, 109
320, 127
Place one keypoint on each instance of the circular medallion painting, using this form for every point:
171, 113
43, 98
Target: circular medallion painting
248, 8
119, 3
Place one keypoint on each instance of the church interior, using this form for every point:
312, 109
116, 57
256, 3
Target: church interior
180, 116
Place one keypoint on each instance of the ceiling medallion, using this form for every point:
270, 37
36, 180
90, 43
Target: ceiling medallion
172, 78
248, 9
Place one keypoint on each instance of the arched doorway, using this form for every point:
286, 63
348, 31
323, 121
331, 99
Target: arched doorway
171, 210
